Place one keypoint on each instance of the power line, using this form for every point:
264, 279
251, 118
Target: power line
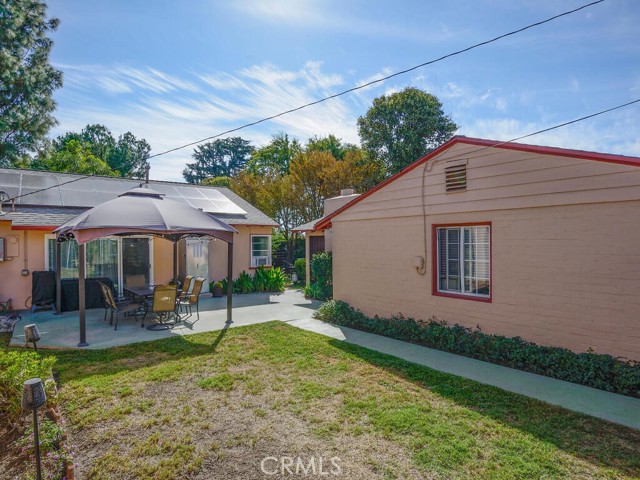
465, 155
560, 125
372, 82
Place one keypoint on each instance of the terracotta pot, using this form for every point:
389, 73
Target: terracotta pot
218, 292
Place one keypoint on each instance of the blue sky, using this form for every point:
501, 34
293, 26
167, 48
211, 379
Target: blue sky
173, 72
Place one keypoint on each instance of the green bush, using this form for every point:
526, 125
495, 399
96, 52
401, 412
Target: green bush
277, 279
15, 368
321, 276
300, 266
264, 280
592, 369
243, 284
261, 279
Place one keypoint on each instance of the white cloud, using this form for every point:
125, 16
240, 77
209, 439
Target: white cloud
604, 134
333, 16
169, 111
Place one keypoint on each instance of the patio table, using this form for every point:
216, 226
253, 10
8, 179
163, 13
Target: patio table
142, 292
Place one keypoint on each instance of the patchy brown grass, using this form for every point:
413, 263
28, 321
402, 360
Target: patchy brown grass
215, 405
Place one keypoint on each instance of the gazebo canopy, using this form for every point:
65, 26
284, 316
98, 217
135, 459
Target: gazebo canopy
144, 211
140, 211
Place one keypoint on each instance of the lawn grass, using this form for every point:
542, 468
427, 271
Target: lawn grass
214, 405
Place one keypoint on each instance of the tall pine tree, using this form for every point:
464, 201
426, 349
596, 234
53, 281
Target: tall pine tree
27, 80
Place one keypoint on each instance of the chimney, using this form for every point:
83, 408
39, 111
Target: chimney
332, 204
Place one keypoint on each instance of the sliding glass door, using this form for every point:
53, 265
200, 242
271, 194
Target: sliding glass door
126, 261
136, 261
102, 260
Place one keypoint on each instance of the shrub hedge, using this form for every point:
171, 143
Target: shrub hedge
300, 266
321, 286
592, 369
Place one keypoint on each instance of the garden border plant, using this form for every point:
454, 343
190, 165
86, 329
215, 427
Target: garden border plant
588, 368
264, 280
17, 366
321, 285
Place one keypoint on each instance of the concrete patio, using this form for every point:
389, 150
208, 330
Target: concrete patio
62, 331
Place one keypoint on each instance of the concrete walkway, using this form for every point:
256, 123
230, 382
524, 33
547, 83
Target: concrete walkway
292, 308
62, 331
591, 401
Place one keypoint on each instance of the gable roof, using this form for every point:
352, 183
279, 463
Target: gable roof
484, 144
52, 196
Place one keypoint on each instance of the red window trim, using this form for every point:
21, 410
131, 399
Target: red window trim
434, 262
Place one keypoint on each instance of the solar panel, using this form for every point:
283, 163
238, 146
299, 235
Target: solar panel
192, 192
10, 183
89, 192
79, 198
211, 194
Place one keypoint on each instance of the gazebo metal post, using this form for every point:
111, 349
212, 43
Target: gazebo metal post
81, 295
175, 261
58, 267
230, 282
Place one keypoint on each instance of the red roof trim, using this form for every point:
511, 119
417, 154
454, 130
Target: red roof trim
46, 228
481, 142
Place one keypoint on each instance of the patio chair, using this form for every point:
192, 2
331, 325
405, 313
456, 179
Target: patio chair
119, 308
164, 305
185, 287
193, 298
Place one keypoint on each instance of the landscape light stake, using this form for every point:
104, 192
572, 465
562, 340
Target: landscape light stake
33, 397
32, 335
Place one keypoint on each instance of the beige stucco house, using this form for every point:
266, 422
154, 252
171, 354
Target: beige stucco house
27, 242
520, 240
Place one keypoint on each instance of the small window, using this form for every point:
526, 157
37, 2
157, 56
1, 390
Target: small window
456, 178
260, 250
464, 261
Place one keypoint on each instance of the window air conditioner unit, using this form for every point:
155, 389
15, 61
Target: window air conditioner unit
261, 261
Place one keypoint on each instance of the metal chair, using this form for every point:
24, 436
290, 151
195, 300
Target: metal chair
164, 304
185, 287
193, 298
119, 308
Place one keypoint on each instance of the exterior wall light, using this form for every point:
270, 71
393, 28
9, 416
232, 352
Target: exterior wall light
34, 397
32, 335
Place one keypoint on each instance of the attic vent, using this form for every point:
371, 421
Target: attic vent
456, 178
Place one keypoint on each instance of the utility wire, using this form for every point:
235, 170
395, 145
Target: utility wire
467, 155
372, 82
353, 89
463, 155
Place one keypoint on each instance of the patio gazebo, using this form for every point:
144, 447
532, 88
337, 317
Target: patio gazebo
140, 211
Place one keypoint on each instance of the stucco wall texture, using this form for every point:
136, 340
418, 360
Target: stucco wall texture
565, 248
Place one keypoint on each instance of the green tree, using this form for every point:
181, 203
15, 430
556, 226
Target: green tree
129, 156
404, 126
275, 157
126, 155
74, 157
217, 182
330, 144
221, 158
27, 80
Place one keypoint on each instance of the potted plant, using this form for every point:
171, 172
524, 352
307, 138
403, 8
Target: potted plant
218, 291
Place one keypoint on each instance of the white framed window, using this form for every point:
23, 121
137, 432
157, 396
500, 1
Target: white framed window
463, 261
260, 251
